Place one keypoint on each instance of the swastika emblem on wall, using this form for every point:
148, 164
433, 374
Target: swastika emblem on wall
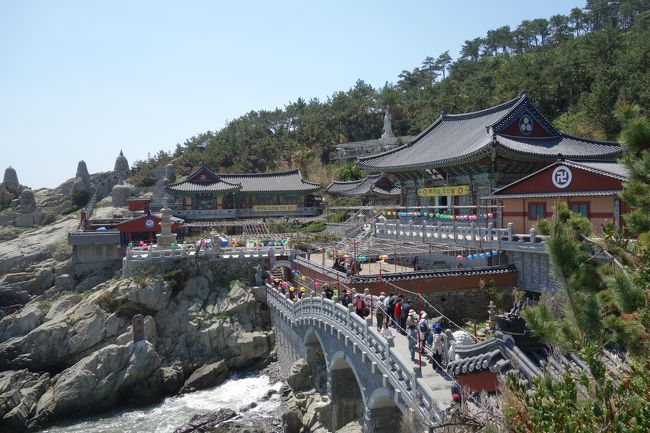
562, 177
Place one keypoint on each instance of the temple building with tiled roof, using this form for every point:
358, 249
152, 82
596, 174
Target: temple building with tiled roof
376, 189
205, 195
481, 152
589, 188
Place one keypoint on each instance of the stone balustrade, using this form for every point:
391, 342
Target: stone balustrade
154, 252
468, 235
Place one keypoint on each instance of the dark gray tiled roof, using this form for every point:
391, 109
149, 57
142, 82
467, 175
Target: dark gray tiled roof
367, 185
94, 238
271, 182
218, 186
249, 182
568, 147
455, 139
496, 195
339, 186
613, 169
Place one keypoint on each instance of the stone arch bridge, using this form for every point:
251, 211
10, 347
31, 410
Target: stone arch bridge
365, 374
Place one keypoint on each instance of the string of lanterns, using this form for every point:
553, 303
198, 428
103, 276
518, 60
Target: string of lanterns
477, 256
437, 215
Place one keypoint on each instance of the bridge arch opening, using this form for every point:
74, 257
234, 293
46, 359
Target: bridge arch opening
382, 414
315, 357
345, 392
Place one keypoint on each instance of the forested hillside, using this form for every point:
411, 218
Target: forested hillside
576, 68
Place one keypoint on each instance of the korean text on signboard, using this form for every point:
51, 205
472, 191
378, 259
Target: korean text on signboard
275, 208
444, 190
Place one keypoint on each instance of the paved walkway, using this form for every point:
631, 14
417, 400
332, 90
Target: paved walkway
438, 381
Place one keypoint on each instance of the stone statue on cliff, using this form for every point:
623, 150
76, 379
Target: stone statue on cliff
388, 128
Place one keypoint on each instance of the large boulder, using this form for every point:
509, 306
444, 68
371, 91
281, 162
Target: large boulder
97, 381
206, 376
64, 340
299, 378
155, 295
19, 393
27, 201
33, 247
120, 194
206, 423
23, 321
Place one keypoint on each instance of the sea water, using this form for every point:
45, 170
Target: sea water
175, 411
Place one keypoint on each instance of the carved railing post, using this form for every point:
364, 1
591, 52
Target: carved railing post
510, 228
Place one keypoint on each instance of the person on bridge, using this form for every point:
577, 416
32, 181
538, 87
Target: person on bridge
397, 311
412, 332
359, 306
328, 291
346, 298
404, 314
380, 312
335, 294
416, 264
424, 331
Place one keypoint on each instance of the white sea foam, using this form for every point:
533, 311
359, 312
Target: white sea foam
175, 411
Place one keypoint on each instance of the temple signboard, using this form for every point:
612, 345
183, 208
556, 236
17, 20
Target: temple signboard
444, 190
275, 208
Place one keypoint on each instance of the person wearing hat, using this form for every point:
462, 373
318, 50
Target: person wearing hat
423, 327
292, 292
380, 312
437, 344
301, 293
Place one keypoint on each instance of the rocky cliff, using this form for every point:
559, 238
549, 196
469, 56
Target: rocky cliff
65, 354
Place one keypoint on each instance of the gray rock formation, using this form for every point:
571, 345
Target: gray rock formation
10, 181
120, 194
85, 340
206, 376
121, 164
33, 247
27, 201
299, 378
96, 381
19, 393
5, 197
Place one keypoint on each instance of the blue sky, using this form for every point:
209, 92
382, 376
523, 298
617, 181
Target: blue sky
84, 79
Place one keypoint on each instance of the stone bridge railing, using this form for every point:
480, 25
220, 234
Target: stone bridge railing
462, 234
376, 351
190, 251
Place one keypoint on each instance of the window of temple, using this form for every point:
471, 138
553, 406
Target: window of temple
581, 208
536, 211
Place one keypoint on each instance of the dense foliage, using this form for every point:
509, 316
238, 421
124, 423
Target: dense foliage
577, 68
601, 304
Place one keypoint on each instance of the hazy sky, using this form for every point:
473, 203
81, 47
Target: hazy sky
84, 79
